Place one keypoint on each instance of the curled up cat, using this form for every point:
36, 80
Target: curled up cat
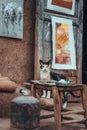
46, 74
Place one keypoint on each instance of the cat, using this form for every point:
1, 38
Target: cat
63, 80
47, 74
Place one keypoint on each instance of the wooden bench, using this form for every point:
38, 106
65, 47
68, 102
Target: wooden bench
63, 116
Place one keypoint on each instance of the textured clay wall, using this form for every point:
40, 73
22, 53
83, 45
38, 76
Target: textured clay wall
17, 56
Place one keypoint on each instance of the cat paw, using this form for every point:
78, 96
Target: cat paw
48, 96
43, 96
64, 105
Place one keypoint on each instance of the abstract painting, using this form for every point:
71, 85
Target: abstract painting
64, 56
63, 6
11, 18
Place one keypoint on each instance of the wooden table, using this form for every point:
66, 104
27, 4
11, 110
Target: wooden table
58, 112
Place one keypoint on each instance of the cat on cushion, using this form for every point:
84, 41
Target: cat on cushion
47, 74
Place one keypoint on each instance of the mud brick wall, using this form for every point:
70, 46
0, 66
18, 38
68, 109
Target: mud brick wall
17, 56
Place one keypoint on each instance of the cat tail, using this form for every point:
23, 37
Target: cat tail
74, 95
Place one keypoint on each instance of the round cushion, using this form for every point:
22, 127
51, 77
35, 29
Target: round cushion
7, 85
25, 112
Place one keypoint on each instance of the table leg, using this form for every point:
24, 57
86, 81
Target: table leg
33, 90
57, 108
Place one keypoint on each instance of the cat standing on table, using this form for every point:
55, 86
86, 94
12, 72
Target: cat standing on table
45, 75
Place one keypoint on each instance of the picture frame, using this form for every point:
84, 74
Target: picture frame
63, 44
62, 6
11, 18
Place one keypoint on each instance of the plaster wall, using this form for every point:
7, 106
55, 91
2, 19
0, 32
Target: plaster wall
17, 56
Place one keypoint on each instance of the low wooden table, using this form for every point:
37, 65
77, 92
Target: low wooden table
58, 112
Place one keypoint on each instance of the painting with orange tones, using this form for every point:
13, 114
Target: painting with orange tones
63, 44
63, 6
63, 3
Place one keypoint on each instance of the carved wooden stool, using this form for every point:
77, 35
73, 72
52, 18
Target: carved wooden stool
63, 116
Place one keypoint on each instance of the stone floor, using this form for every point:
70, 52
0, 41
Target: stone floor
44, 125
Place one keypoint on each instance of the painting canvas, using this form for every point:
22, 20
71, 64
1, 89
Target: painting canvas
11, 18
64, 6
64, 56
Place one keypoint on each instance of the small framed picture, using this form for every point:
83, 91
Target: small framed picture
63, 6
63, 45
11, 18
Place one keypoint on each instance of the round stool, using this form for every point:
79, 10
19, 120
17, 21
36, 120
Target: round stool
25, 113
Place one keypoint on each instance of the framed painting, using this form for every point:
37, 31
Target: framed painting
11, 18
64, 56
63, 6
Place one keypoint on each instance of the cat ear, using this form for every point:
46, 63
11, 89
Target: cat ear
49, 62
40, 61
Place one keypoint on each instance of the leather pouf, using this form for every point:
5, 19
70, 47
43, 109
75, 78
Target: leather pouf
25, 113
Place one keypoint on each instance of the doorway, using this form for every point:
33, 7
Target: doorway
84, 68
